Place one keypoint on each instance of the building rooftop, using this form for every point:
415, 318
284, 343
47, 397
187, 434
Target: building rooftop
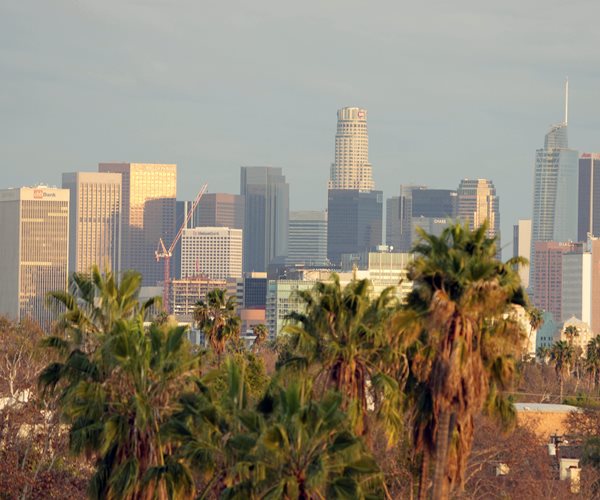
545, 408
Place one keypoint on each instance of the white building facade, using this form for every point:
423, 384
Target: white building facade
213, 252
351, 168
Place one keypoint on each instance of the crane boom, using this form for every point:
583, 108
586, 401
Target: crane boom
162, 252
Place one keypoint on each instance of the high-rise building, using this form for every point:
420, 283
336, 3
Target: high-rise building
418, 206
148, 214
308, 238
555, 189
477, 203
594, 246
214, 252
576, 286
185, 293
94, 221
522, 248
220, 210
351, 168
548, 278
266, 216
182, 208
35, 250
588, 196
354, 222
393, 222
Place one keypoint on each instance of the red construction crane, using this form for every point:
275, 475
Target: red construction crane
163, 253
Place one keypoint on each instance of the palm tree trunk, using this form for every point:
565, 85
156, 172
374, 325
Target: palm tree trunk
424, 479
561, 389
440, 490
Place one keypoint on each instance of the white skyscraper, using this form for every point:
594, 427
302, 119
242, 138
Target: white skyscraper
213, 252
522, 247
35, 250
351, 168
94, 221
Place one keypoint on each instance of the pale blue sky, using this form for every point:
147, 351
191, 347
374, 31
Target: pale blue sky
454, 89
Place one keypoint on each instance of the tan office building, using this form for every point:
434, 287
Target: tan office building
351, 168
212, 252
35, 250
149, 193
94, 221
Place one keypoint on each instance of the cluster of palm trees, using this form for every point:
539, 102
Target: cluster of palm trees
570, 359
165, 420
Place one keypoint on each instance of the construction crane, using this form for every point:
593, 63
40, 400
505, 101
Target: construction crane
163, 253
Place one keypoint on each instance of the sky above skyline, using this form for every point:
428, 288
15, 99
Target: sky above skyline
453, 89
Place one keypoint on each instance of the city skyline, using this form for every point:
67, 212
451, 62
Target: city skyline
168, 98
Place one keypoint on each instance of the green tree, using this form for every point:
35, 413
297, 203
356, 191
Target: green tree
571, 331
303, 448
217, 319
116, 410
463, 344
342, 338
562, 356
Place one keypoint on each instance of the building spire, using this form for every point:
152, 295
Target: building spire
567, 101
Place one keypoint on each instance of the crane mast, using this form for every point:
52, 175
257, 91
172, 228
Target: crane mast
164, 253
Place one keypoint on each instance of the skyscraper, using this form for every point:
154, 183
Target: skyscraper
266, 216
214, 252
94, 221
354, 209
308, 238
589, 196
477, 202
220, 210
354, 222
547, 280
555, 187
148, 214
393, 222
351, 168
35, 250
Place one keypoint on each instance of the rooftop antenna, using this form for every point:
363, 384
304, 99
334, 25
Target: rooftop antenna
567, 101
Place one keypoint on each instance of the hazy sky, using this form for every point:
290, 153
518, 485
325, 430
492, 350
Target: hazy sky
454, 89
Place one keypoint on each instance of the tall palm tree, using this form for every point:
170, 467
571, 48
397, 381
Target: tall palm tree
592, 359
463, 340
536, 318
562, 355
217, 319
571, 331
341, 335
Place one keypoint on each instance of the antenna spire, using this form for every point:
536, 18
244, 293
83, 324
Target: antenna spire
567, 101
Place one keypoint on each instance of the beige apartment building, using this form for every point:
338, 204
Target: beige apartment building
35, 250
149, 193
94, 221
351, 168
478, 202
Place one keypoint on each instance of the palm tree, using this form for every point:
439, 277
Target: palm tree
116, 410
571, 331
543, 354
261, 332
216, 317
562, 355
536, 318
463, 343
592, 359
303, 449
93, 303
341, 335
